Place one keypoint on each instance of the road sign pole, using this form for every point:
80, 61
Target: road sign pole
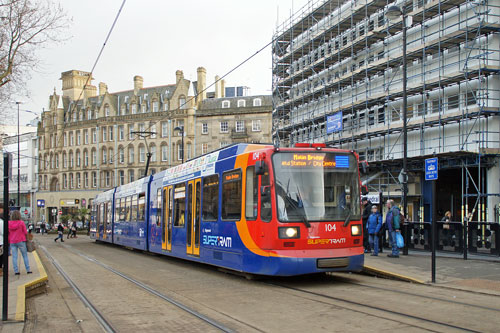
433, 232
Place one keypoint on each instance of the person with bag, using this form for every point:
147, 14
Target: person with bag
60, 233
392, 224
374, 225
17, 241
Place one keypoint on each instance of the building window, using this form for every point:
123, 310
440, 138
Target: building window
94, 136
164, 129
86, 137
155, 106
104, 155
165, 105
78, 158
240, 125
94, 179
134, 108
153, 130
182, 103
65, 139
144, 107
121, 135
65, 181
121, 155
94, 157
131, 176
71, 139
104, 134
130, 131
256, 125
78, 138
106, 110
470, 99
110, 133
204, 148
65, 160
164, 152
131, 157
142, 154
188, 151
57, 161
152, 150
108, 178
241, 103
180, 123
121, 175
85, 158
224, 127
110, 155
226, 104
224, 144
257, 102
71, 183
71, 159
86, 180
204, 128
180, 152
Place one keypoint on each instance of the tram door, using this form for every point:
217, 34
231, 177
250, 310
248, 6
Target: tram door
167, 205
193, 221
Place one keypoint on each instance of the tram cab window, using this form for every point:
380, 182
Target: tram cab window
141, 207
252, 192
231, 195
265, 197
133, 209
210, 206
179, 205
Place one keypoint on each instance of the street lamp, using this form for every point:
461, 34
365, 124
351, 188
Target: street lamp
180, 130
18, 161
392, 13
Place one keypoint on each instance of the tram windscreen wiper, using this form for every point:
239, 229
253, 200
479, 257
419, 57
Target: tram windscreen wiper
306, 222
348, 218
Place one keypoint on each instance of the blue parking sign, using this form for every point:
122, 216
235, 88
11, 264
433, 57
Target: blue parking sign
431, 168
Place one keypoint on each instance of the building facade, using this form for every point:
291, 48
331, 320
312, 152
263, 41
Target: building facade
25, 169
92, 140
337, 78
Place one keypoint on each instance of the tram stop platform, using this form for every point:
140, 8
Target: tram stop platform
478, 273
21, 287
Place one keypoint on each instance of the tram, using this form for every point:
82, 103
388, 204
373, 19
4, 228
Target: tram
250, 208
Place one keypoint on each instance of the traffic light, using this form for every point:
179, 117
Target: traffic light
77, 201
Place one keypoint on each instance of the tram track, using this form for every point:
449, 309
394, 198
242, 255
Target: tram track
376, 308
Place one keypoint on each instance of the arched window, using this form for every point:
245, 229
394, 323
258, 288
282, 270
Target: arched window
104, 155
155, 106
182, 103
257, 102
142, 153
78, 158
106, 110
226, 104
51, 161
121, 155
152, 150
85, 158
165, 105
65, 181
94, 156
144, 107
134, 108
71, 159
164, 152
57, 161
241, 103
131, 155
71, 182
110, 155
78, 180
82, 114
75, 116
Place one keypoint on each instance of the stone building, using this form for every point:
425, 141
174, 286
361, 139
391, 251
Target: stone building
92, 140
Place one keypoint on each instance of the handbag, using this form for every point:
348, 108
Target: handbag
400, 242
30, 246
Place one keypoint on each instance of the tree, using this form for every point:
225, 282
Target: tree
65, 219
82, 215
26, 26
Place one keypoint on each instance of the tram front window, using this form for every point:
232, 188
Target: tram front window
316, 186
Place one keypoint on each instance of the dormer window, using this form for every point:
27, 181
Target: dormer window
226, 104
241, 103
257, 102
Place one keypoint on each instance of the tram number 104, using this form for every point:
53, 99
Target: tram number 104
330, 227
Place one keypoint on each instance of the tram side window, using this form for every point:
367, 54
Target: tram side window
265, 199
123, 210
117, 210
210, 207
142, 207
179, 205
231, 195
133, 209
158, 209
252, 192
101, 213
110, 212
127, 208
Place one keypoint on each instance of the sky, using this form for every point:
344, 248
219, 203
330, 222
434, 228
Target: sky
154, 38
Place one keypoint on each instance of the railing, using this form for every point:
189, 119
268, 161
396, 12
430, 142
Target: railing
481, 238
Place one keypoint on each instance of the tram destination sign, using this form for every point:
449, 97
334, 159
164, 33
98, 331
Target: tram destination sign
315, 161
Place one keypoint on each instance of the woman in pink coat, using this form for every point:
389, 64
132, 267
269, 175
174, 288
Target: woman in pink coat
17, 240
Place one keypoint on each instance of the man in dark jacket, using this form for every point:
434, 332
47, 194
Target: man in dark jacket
392, 224
367, 210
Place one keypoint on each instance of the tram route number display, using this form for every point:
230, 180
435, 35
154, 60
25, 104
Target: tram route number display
315, 160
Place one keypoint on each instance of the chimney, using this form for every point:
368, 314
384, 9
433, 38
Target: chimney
90, 91
103, 88
178, 76
138, 81
223, 88
218, 93
202, 84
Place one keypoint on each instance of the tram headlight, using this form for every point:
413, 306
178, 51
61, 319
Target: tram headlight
356, 230
288, 232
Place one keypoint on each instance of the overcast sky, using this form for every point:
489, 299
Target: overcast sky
154, 38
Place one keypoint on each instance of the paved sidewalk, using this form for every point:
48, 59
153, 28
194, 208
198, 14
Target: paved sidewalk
20, 287
477, 274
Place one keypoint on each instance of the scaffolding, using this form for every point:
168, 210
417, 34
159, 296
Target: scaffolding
343, 58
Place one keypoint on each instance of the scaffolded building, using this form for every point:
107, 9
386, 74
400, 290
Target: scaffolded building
337, 78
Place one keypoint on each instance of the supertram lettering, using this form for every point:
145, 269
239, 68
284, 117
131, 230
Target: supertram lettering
326, 241
217, 241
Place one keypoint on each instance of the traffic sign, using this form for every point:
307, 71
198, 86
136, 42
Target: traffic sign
26, 212
431, 168
60, 212
40, 203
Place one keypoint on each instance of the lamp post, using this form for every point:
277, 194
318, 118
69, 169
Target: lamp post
392, 13
180, 130
18, 161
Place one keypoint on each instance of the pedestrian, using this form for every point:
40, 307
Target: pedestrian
367, 204
392, 225
70, 225
30, 227
374, 225
60, 231
447, 217
42, 228
17, 241
73, 230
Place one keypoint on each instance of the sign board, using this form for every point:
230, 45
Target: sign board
373, 197
431, 168
334, 123
40, 203
54, 211
60, 212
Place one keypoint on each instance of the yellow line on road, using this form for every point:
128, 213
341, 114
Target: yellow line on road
371, 269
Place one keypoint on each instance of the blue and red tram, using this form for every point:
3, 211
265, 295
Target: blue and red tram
250, 208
